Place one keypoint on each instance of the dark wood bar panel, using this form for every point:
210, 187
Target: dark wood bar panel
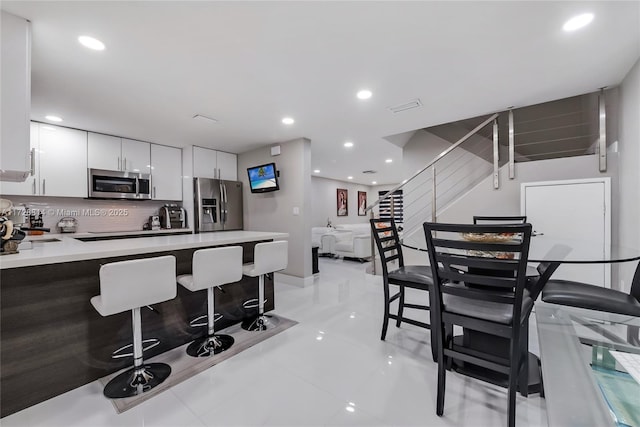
52, 339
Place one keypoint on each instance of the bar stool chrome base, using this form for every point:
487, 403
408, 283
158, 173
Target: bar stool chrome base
135, 381
260, 323
210, 345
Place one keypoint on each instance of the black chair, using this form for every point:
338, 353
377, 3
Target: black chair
418, 277
583, 295
480, 285
488, 220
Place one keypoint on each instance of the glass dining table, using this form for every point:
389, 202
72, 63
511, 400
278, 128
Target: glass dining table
550, 253
587, 357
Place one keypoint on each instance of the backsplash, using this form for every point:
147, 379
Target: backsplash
92, 215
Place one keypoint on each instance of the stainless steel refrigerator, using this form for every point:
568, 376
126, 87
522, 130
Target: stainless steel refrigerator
217, 204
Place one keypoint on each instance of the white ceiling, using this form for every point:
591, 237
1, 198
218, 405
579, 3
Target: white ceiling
249, 64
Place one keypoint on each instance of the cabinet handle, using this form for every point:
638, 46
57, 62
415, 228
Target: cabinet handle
33, 162
33, 187
119, 168
124, 164
154, 191
43, 187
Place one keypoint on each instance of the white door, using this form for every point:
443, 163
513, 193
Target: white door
63, 162
166, 175
103, 152
205, 163
575, 210
227, 166
30, 186
136, 156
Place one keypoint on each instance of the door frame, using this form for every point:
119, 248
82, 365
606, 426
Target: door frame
607, 210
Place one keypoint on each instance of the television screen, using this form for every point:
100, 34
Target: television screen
263, 178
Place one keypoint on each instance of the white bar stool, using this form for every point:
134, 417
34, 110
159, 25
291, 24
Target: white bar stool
212, 268
129, 285
268, 257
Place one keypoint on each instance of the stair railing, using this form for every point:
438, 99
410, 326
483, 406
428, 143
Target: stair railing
432, 165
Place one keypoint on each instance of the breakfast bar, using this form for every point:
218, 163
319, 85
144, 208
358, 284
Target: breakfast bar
53, 341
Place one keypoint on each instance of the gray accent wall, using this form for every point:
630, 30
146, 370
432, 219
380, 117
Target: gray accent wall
323, 191
628, 224
274, 211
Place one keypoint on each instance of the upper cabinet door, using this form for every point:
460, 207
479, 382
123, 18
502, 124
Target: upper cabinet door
103, 152
227, 166
205, 163
63, 162
30, 186
15, 46
166, 172
136, 156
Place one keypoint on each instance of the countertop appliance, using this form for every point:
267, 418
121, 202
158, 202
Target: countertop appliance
106, 184
154, 222
68, 224
172, 216
218, 205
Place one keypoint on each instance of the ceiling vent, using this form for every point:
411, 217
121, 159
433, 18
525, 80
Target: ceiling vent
202, 118
369, 171
414, 103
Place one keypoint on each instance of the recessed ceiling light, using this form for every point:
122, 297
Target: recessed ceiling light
578, 22
91, 43
364, 94
374, 182
348, 144
288, 121
388, 161
52, 118
316, 171
349, 177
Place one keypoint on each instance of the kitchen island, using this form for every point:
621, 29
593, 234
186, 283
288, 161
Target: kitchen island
52, 340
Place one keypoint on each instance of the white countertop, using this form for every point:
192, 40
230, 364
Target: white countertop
69, 249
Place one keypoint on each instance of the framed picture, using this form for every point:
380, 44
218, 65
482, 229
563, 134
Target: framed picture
342, 202
362, 203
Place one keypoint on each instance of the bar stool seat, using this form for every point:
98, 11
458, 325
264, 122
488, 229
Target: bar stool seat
268, 257
129, 285
212, 268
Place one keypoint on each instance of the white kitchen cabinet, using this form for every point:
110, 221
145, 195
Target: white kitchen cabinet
136, 156
63, 162
15, 41
209, 163
59, 164
30, 186
119, 154
103, 151
205, 163
227, 166
166, 172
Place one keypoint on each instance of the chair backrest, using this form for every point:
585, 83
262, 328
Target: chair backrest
126, 285
270, 256
385, 233
635, 284
479, 262
217, 266
480, 219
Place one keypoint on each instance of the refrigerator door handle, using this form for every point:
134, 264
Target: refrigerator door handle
223, 204
226, 201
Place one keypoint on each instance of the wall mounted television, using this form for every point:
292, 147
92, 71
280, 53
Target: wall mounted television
263, 178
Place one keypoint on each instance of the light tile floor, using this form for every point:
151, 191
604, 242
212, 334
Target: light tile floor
331, 369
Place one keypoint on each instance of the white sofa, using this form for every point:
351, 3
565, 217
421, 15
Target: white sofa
353, 241
326, 247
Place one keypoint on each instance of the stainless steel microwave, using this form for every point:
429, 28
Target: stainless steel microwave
106, 184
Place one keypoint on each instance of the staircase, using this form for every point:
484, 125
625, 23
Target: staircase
481, 146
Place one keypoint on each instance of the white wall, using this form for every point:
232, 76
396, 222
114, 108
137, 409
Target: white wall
323, 194
628, 224
274, 211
